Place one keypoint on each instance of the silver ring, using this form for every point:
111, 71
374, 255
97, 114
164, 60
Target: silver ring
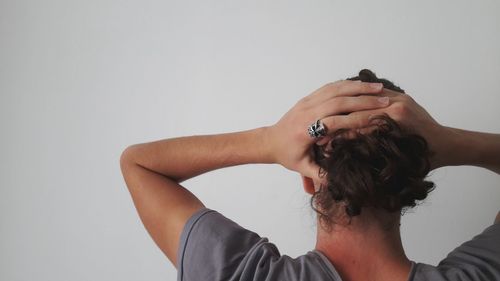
316, 129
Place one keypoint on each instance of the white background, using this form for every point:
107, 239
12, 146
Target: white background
82, 80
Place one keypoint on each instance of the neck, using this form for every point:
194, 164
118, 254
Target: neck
364, 250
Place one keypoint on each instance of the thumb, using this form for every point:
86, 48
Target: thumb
311, 170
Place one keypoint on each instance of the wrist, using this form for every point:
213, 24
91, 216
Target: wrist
265, 145
476, 149
444, 147
460, 147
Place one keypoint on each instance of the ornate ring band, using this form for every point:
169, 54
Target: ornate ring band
316, 129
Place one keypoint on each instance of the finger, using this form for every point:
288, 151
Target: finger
343, 88
391, 93
310, 169
354, 133
352, 88
367, 130
369, 114
339, 105
336, 122
355, 120
324, 140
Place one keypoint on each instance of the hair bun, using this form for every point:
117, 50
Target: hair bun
385, 169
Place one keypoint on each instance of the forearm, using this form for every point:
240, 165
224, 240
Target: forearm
185, 157
472, 148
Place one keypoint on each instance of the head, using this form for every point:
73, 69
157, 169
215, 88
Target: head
381, 172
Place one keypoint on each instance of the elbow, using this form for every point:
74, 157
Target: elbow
127, 157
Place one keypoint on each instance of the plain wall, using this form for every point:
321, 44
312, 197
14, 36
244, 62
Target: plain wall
82, 80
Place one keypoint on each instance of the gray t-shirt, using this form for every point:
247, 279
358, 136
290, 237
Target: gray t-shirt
213, 247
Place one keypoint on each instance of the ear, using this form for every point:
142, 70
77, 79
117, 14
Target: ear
308, 185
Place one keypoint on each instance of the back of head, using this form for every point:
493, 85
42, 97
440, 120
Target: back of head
384, 169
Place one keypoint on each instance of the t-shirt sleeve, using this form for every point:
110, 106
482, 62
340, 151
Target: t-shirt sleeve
213, 247
476, 259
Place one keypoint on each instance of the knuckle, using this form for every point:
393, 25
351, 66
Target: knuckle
406, 98
342, 84
399, 110
367, 87
358, 123
338, 103
303, 100
301, 106
327, 123
373, 100
330, 85
355, 121
362, 87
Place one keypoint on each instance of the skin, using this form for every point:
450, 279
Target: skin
363, 250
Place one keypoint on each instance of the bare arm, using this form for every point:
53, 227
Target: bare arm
461, 147
153, 171
453, 147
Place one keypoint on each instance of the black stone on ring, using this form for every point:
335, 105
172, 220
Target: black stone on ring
316, 129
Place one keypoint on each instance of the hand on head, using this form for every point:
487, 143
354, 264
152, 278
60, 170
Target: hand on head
289, 139
348, 105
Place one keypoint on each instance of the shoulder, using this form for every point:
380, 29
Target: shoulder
213, 247
476, 259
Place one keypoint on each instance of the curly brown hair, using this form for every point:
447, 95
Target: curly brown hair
384, 169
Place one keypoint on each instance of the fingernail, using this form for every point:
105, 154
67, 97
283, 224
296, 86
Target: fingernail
376, 86
383, 100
